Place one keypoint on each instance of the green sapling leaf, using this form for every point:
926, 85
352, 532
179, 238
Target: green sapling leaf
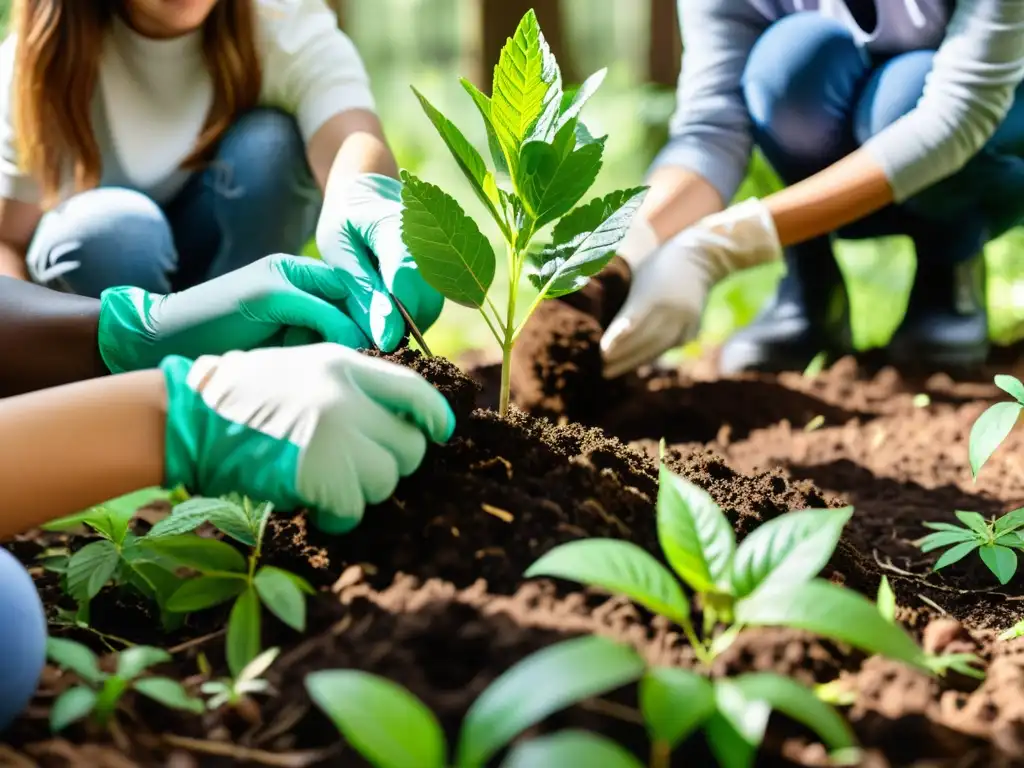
737, 728
205, 592
570, 748
382, 721
255, 668
452, 254
956, 554
133, 661
539, 685
793, 547
830, 611
974, 521
943, 526
71, 706
886, 600
1011, 386
1002, 561
90, 568
170, 693
620, 567
243, 638
75, 657
201, 554
941, 539
991, 428
696, 537
282, 596
1011, 521
675, 703
553, 178
483, 105
573, 105
226, 516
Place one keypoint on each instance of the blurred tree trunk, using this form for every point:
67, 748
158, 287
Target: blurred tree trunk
666, 44
338, 6
498, 22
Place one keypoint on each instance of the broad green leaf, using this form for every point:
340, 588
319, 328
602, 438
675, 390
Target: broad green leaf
71, 706
153, 580
941, 539
170, 693
469, 161
991, 428
620, 567
205, 592
830, 611
483, 105
581, 96
737, 728
94, 517
133, 661
1002, 561
526, 86
694, 533
282, 596
243, 638
201, 554
552, 178
1010, 539
790, 548
76, 657
1011, 386
452, 255
255, 668
886, 600
974, 521
585, 241
540, 685
675, 703
1011, 521
90, 568
187, 516
382, 721
800, 704
956, 554
571, 748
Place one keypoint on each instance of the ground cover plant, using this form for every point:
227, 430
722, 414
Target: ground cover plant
545, 162
995, 541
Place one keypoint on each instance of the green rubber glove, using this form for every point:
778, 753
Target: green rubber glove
274, 301
360, 231
318, 426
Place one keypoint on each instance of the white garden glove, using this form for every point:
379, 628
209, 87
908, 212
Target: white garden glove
671, 284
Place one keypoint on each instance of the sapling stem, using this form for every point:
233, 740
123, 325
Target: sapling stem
413, 329
661, 754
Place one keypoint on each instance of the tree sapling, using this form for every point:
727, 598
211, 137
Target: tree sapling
547, 161
995, 424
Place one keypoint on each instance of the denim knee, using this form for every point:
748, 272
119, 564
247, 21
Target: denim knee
22, 639
800, 85
891, 91
102, 238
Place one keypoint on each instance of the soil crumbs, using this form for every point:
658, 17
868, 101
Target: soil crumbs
429, 592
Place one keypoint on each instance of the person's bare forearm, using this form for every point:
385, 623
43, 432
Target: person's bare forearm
12, 263
348, 145
676, 199
68, 448
843, 193
47, 338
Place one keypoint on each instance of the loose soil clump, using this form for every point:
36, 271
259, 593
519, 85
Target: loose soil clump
429, 591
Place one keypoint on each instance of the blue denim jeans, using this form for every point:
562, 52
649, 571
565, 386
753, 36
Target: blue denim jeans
814, 96
22, 641
256, 197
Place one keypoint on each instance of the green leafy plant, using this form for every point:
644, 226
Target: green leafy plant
545, 161
995, 424
767, 581
100, 692
391, 728
232, 692
226, 575
994, 541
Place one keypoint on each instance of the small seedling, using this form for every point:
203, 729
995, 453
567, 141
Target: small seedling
99, 695
994, 541
391, 728
767, 581
995, 424
249, 681
546, 161
226, 575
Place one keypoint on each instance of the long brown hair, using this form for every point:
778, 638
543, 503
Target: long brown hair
56, 68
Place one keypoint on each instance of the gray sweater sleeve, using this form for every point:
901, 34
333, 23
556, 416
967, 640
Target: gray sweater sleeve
966, 97
710, 130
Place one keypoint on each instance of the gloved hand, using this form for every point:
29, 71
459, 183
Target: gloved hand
255, 306
671, 284
360, 231
319, 426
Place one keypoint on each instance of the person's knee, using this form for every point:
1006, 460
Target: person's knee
22, 639
263, 152
892, 91
800, 83
101, 238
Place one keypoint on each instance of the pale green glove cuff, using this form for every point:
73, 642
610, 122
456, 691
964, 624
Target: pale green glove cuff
213, 456
124, 343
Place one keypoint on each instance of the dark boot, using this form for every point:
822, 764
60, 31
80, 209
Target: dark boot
946, 323
809, 314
